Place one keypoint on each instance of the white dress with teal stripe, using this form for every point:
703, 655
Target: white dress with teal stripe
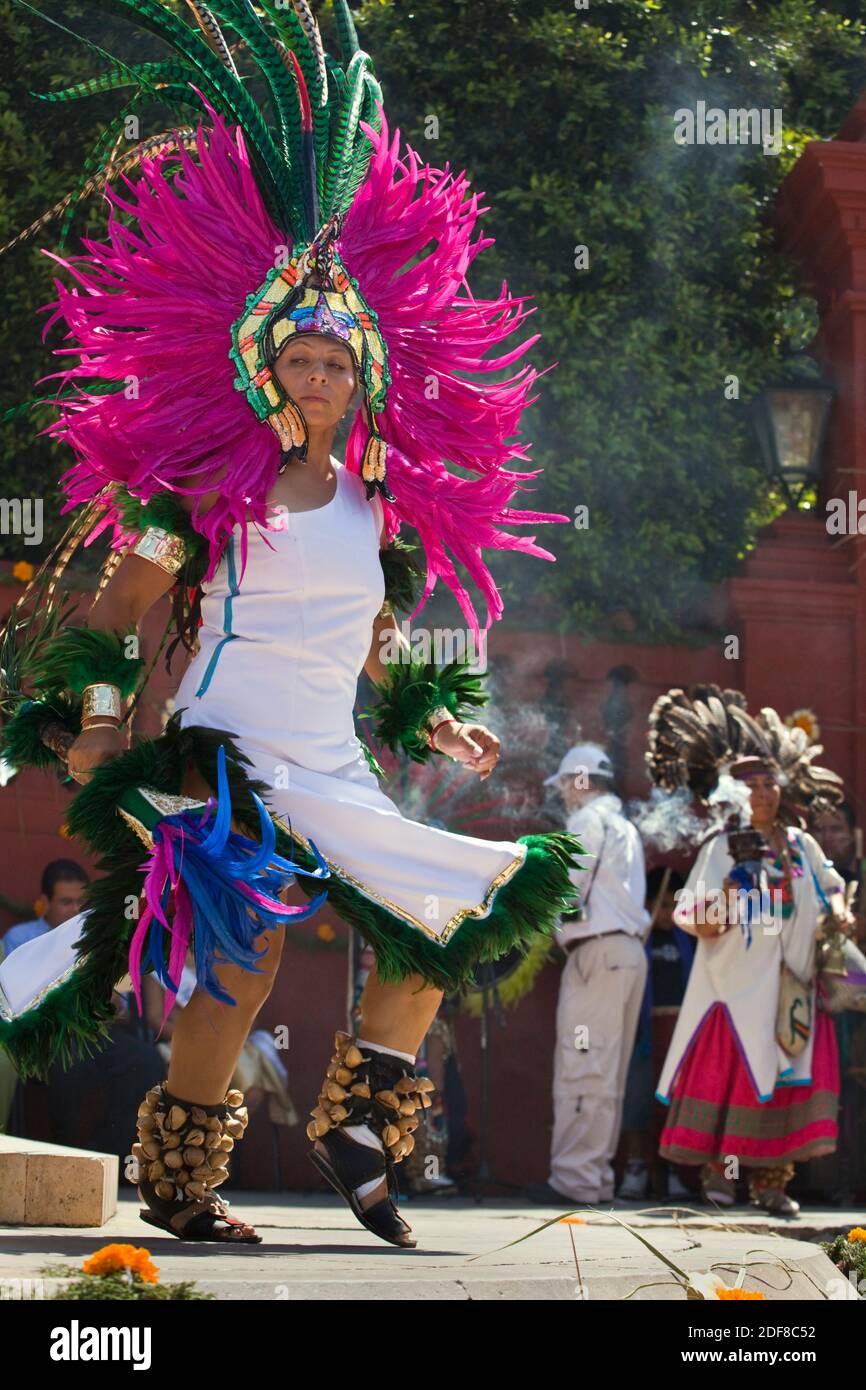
281, 650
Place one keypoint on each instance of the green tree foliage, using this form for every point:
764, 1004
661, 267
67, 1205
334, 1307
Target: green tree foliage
565, 117
44, 148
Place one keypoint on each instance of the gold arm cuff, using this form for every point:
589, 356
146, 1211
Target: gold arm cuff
100, 701
162, 548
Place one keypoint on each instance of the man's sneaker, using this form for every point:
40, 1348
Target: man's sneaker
635, 1181
438, 1185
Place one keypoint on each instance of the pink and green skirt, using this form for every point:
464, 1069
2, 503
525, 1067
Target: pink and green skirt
715, 1113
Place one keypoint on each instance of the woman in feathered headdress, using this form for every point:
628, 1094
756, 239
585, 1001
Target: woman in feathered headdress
260, 279
752, 1073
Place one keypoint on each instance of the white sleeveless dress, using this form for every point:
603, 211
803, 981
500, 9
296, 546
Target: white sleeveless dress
281, 650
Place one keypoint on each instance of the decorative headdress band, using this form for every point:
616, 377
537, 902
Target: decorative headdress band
753, 766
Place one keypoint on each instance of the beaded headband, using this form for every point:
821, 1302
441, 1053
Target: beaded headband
312, 294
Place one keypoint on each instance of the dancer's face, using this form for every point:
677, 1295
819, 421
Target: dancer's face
765, 794
319, 374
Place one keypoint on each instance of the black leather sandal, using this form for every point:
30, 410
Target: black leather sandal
199, 1219
382, 1091
182, 1155
347, 1165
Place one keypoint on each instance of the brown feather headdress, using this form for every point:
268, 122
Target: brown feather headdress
694, 736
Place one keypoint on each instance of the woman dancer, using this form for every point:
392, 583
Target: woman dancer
328, 279
736, 1095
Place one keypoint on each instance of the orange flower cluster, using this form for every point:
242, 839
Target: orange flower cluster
112, 1258
858, 1233
739, 1294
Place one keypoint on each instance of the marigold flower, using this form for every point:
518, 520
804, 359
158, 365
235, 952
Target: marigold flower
22, 570
858, 1233
112, 1258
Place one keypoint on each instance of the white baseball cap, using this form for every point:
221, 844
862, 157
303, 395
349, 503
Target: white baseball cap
583, 757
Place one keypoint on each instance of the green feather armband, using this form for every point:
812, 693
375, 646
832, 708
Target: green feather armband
411, 692
166, 535
81, 656
21, 739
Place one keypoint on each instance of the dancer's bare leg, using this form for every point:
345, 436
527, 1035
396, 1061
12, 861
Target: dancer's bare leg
398, 1016
209, 1036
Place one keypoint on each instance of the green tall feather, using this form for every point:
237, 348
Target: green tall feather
284, 97
306, 175
342, 148
226, 94
298, 37
346, 31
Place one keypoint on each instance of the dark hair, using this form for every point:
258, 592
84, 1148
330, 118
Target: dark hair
602, 781
58, 870
842, 808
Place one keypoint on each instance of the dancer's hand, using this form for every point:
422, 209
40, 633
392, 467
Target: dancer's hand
471, 744
92, 748
845, 922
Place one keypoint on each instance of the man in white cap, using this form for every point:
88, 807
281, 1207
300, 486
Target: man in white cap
602, 984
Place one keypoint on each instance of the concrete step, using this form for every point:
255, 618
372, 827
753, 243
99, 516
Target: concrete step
50, 1185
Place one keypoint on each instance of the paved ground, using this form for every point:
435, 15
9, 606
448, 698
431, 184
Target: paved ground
314, 1249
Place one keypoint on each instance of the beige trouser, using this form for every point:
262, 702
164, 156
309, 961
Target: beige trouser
596, 1024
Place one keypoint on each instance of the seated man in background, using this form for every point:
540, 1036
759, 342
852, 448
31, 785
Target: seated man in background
63, 885
87, 1105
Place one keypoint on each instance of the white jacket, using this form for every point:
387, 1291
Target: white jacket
614, 898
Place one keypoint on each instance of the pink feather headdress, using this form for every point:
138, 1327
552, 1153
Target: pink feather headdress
153, 312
